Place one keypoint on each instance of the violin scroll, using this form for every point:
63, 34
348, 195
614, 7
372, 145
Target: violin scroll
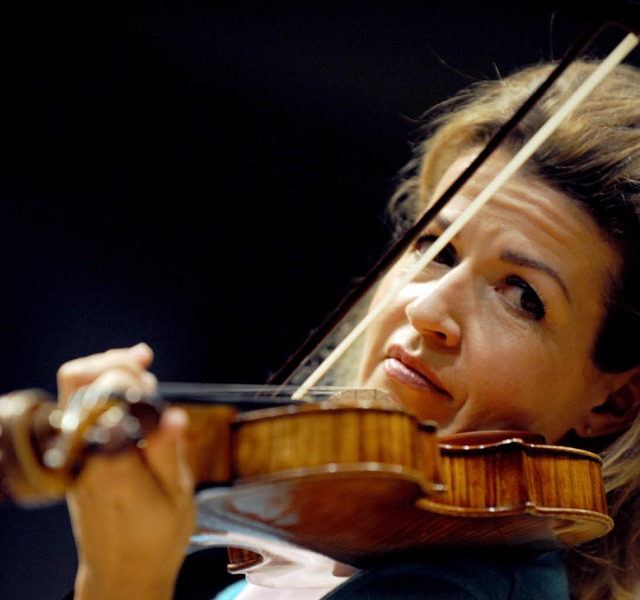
43, 447
27, 424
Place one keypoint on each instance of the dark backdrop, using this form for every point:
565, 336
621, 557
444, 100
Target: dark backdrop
209, 177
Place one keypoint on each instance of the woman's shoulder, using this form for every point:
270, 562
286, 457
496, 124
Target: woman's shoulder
484, 576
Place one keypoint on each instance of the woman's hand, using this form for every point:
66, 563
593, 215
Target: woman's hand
133, 513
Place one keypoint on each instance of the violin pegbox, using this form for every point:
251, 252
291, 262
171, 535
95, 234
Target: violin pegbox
43, 446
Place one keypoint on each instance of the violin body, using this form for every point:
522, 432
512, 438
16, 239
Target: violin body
358, 484
352, 478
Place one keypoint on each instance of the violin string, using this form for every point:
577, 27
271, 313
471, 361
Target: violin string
223, 392
619, 53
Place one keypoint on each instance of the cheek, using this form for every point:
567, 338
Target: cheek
523, 391
376, 335
501, 356
379, 332
507, 373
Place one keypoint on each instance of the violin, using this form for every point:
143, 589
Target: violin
350, 476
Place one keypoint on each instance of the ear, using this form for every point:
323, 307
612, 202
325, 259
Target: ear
619, 409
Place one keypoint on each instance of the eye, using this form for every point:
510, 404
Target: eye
523, 298
447, 256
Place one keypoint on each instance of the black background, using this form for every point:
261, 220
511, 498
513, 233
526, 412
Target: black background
209, 177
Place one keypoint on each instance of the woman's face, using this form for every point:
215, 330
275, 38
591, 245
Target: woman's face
497, 332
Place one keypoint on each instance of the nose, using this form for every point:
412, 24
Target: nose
435, 308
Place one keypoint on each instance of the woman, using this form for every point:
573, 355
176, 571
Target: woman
527, 320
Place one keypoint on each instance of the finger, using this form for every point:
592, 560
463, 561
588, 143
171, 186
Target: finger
123, 379
83, 371
165, 453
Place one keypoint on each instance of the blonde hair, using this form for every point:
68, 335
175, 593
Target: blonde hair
594, 157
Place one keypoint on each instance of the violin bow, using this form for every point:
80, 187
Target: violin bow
624, 13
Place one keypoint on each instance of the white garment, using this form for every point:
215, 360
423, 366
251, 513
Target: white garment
258, 592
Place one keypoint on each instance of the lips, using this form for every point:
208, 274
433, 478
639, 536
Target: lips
402, 366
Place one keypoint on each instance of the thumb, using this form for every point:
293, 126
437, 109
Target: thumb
166, 455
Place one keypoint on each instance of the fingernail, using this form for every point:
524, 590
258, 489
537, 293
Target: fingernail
150, 379
175, 418
141, 349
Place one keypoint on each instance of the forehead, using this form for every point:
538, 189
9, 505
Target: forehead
530, 214
526, 201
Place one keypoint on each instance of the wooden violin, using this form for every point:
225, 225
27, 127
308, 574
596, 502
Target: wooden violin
351, 477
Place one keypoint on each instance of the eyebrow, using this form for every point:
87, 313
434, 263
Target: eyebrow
515, 258
521, 260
